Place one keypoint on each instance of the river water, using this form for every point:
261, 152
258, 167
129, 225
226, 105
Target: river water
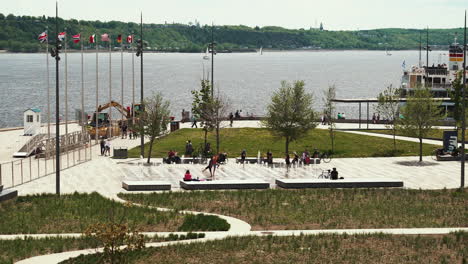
246, 79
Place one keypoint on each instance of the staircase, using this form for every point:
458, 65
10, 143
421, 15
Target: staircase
30, 146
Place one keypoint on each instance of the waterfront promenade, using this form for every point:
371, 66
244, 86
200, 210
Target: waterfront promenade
105, 175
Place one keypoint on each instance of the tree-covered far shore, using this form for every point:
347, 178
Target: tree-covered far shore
19, 34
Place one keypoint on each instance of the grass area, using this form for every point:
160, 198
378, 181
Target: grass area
434, 134
325, 208
17, 249
73, 213
377, 248
233, 140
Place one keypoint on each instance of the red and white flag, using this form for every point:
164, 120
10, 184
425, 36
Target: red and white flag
42, 37
92, 38
61, 36
130, 39
76, 38
105, 37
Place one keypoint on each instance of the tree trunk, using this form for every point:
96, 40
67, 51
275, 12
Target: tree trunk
420, 149
217, 138
287, 146
204, 146
150, 148
332, 136
394, 140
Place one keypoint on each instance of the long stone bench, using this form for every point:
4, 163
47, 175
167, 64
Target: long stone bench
146, 185
224, 184
8, 194
343, 183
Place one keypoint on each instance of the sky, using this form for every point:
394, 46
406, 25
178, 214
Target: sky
334, 14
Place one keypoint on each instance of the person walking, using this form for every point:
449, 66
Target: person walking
287, 160
231, 119
211, 166
102, 143
243, 155
108, 146
194, 122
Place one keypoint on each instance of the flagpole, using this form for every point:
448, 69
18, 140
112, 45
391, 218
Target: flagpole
121, 74
48, 87
83, 122
462, 176
110, 87
142, 135
96, 134
66, 84
133, 81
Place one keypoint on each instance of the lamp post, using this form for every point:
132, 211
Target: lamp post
139, 53
54, 52
211, 47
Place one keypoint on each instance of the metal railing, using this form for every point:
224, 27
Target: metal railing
22, 171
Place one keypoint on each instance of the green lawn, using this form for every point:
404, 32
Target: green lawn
434, 134
377, 248
233, 140
325, 208
48, 213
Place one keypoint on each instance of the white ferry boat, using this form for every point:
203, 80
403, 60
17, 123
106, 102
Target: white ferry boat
438, 77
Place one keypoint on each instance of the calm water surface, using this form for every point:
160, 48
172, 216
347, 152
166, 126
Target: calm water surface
248, 80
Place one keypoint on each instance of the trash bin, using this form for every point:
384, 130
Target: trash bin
174, 126
120, 153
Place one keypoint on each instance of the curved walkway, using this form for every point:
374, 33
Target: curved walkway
238, 228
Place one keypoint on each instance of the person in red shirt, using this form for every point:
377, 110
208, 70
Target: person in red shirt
187, 176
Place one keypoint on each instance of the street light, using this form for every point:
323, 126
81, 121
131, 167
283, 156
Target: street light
55, 52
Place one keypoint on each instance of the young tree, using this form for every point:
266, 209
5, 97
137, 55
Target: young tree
419, 115
154, 120
290, 114
329, 112
388, 108
202, 108
219, 106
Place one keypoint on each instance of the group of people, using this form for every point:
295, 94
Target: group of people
105, 147
172, 157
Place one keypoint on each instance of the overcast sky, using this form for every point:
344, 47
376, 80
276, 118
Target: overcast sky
335, 14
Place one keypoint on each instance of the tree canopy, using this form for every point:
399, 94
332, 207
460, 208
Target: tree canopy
19, 33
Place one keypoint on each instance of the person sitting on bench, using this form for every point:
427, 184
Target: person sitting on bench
188, 176
334, 174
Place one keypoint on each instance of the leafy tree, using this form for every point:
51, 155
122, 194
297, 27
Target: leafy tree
456, 95
290, 114
419, 115
329, 112
154, 120
388, 108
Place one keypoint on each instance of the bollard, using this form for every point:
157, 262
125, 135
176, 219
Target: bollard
21, 165
12, 174
30, 169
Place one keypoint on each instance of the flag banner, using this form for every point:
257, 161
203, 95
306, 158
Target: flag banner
119, 39
92, 38
105, 37
130, 39
42, 37
76, 38
61, 36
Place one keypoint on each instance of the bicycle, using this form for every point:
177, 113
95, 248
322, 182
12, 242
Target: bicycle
326, 174
326, 157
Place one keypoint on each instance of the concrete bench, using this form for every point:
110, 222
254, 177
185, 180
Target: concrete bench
146, 185
8, 194
343, 183
224, 184
248, 160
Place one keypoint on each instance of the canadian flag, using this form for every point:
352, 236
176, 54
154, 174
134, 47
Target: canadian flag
76, 38
92, 38
61, 36
130, 39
